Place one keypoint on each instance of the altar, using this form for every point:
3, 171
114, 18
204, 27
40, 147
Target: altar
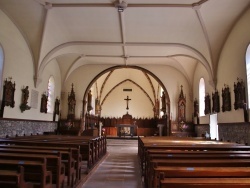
126, 129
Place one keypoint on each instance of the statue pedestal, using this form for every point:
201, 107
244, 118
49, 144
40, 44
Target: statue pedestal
160, 126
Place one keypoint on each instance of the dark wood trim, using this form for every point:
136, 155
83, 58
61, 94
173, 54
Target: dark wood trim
13, 119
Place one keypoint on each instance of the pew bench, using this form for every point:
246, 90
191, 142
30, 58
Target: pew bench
13, 178
67, 153
194, 147
159, 164
35, 172
163, 172
67, 157
195, 155
205, 183
54, 163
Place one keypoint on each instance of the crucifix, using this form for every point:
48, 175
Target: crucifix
127, 99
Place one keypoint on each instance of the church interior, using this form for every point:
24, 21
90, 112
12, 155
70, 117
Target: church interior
164, 74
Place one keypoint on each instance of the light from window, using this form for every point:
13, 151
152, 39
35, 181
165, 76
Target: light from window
1, 66
202, 97
51, 88
248, 74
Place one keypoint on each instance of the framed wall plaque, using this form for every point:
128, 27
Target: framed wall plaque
239, 94
226, 99
207, 104
8, 93
216, 102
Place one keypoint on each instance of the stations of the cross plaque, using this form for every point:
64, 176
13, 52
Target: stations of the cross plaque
127, 99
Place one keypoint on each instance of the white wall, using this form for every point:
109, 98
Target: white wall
232, 65
172, 80
18, 64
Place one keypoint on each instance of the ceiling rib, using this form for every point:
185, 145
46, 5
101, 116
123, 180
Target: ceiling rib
123, 35
151, 84
130, 5
204, 29
104, 83
127, 80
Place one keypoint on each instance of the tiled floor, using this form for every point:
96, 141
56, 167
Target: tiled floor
120, 169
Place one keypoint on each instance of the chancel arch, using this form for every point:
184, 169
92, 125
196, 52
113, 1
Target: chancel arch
151, 97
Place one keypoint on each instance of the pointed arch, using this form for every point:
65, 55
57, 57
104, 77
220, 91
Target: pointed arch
120, 67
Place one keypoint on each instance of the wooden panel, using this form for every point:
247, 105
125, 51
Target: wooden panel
146, 131
112, 131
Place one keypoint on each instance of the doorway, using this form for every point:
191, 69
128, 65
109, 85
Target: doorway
214, 127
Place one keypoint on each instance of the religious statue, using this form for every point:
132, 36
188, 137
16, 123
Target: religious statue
25, 97
44, 101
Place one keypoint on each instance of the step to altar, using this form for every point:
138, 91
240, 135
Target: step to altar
183, 134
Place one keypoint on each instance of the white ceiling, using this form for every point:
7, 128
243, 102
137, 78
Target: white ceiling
178, 33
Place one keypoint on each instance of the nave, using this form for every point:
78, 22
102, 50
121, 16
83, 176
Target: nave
120, 168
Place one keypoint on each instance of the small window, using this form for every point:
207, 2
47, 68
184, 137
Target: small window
202, 97
248, 74
51, 89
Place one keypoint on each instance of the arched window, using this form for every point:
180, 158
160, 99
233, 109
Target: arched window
201, 97
1, 65
248, 73
51, 90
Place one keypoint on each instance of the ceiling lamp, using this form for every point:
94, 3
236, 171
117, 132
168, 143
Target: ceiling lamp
120, 6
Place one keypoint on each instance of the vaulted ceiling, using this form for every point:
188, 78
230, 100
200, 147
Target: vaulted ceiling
177, 33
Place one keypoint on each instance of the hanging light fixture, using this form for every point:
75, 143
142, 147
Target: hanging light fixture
120, 6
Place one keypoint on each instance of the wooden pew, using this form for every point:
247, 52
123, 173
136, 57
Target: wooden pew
54, 163
153, 173
91, 149
66, 156
173, 145
205, 183
13, 178
198, 155
35, 172
151, 149
200, 172
56, 141
67, 153
60, 141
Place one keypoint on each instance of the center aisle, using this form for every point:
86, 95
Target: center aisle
120, 169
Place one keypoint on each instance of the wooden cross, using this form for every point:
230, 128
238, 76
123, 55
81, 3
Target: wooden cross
127, 99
